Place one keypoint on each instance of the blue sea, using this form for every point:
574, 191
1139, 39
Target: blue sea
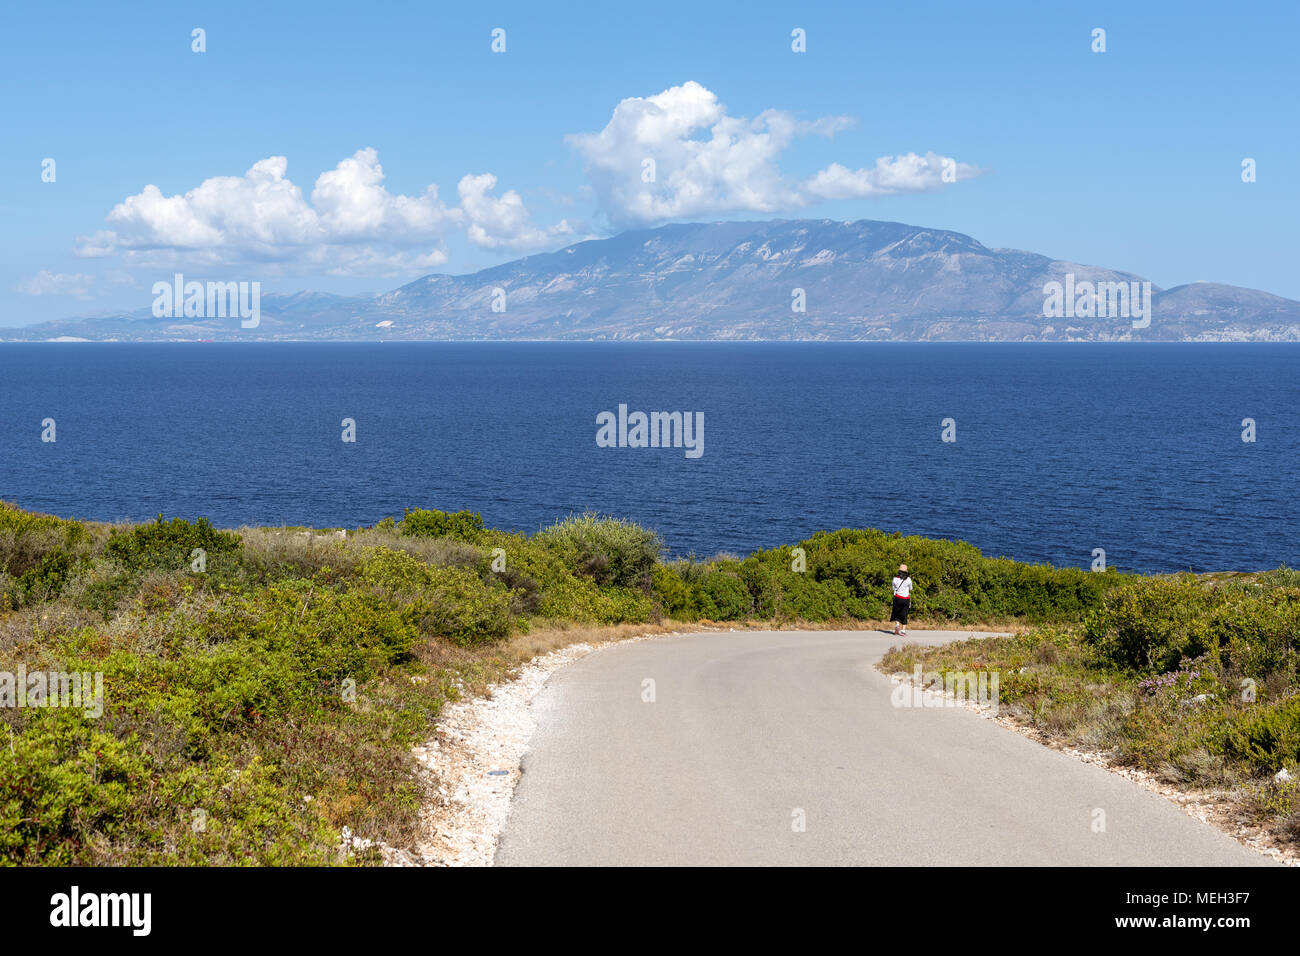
1060, 448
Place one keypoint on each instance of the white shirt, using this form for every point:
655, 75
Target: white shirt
903, 587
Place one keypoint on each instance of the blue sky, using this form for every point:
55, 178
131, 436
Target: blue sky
1129, 159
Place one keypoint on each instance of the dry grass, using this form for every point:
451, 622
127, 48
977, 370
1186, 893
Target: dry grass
304, 552
443, 552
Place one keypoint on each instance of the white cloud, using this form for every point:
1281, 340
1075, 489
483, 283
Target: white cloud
504, 222
891, 174
51, 283
707, 163
352, 224
352, 204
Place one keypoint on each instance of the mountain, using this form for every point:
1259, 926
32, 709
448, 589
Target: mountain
863, 280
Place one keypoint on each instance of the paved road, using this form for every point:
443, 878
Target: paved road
749, 731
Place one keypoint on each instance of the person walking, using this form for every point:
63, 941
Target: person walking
902, 600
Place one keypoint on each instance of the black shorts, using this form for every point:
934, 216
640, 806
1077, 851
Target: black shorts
901, 606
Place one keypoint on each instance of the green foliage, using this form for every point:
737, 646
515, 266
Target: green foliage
328, 634
43, 581
560, 592
169, 544
38, 554
1268, 736
847, 574
1150, 624
449, 602
676, 597
196, 730
724, 597
46, 580
460, 525
611, 552
25, 537
952, 579
1258, 630
782, 594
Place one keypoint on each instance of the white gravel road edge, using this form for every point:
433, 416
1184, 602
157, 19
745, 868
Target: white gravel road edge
471, 765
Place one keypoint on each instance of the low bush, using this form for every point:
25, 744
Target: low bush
611, 552
38, 554
561, 592
169, 544
1267, 736
1150, 624
459, 525
677, 598
27, 537
453, 603
724, 596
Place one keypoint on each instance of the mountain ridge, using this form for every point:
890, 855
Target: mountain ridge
867, 280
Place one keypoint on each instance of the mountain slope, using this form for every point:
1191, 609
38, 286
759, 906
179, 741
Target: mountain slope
860, 280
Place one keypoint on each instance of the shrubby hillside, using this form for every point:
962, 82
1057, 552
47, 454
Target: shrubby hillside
262, 688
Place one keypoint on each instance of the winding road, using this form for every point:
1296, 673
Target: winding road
787, 748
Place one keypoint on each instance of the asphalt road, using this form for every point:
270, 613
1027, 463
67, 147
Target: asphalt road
785, 748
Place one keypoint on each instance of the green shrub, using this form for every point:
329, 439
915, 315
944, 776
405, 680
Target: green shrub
331, 634
28, 539
1268, 737
810, 600
724, 597
45, 581
169, 544
1150, 624
675, 596
952, 580
103, 586
460, 525
454, 603
611, 552
1259, 631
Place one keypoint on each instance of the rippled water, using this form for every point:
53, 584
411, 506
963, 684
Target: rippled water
1060, 449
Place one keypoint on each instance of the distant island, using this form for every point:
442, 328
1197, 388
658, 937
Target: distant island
784, 280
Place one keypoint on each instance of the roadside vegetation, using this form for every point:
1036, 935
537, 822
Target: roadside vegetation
263, 687
1192, 679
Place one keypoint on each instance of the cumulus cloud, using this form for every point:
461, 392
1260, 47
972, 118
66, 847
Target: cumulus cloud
58, 283
678, 154
353, 204
352, 224
503, 222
